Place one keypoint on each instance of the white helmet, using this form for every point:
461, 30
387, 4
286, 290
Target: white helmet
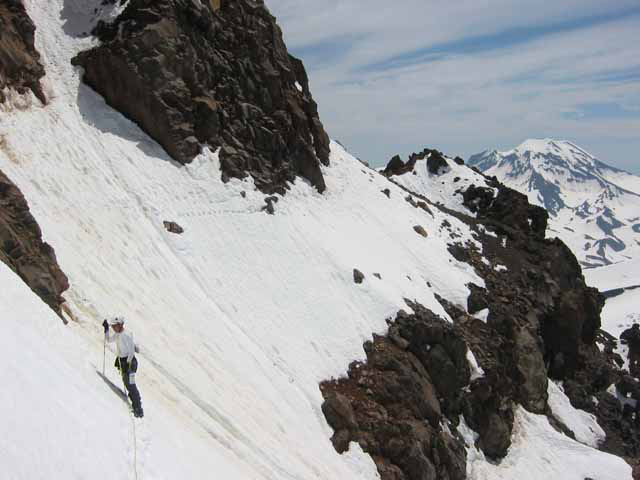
116, 321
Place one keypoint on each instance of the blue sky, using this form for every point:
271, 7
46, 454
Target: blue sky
394, 77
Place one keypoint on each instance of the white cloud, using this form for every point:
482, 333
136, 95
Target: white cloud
464, 102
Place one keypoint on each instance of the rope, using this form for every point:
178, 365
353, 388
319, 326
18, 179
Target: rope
135, 450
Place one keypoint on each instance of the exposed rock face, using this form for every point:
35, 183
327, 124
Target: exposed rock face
393, 404
543, 322
631, 337
510, 211
20, 66
22, 248
190, 73
435, 161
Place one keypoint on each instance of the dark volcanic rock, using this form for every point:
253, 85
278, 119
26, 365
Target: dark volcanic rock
22, 248
173, 227
543, 321
393, 404
216, 73
358, 276
419, 229
270, 207
509, 208
20, 66
396, 167
435, 161
477, 300
631, 338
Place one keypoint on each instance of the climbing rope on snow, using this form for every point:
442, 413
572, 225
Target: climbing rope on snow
135, 450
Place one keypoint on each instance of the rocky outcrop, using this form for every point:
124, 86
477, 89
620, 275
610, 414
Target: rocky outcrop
543, 322
547, 319
20, 67
193, 73
435, 162
22, 248
510, 211
631, 338
394, 404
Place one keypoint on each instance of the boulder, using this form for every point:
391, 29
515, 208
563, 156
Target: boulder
419, 229
173, 227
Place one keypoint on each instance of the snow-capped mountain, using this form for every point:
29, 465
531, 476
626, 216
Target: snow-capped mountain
300, 316
594, 208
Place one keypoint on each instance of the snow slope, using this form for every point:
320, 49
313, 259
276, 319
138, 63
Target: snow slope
239, 318
619, 275
61, 419
445, 187
539, 452
594, 208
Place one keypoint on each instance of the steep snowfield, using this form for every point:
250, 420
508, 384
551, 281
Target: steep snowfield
594, 208
61, 419
239, 318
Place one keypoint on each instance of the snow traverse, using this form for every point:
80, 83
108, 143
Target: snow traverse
239, 318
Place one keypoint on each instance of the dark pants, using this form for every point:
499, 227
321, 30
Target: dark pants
128, 378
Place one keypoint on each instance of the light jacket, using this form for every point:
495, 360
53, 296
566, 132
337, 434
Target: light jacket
126, 347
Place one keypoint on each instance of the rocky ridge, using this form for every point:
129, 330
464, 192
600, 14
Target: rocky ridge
20, 67
543, 322
22, 248
212, 73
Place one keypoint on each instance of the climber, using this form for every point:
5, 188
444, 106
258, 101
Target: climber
126, 360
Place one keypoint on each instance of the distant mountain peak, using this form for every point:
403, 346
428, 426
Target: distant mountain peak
591, 204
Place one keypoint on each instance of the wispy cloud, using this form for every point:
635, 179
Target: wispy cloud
391, 77
509, 38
